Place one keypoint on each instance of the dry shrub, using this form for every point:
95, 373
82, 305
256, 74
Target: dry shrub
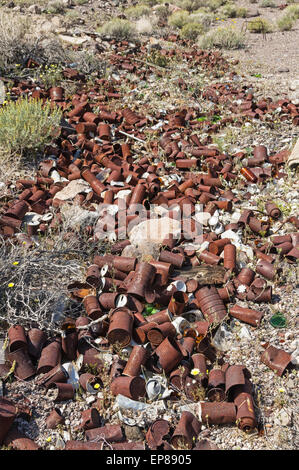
144, 26
178, 19
223, 38
118, 29
27, 125
18, 43
138, 11
285, 22
33, 286
259, 25
191, 31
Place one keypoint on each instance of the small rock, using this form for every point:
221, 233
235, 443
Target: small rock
34, 9
283, 418
133, 433
205, 433
56, 21
294, 345
47, 27
76, 41
290, 383
90, 399
283, 69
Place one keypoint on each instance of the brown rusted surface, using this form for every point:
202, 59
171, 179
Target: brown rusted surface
177, 303
17, 338
56, 374
91, 145
186, 431
245, 417
131, 387
90, 419
36, 339
128, 446
8, 413
24, 368
277, 359
81, 445
168, 354
62, 391
137, 358
211, 304
247, 315
50, 356
110, 432
235, 376
218, 413
157, 334
216, 385
54, 419
178, 376
157, 433
18, 441
120, 328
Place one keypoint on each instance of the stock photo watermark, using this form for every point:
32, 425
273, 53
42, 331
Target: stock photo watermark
116, 221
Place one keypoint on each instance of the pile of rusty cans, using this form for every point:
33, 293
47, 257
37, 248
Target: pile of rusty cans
153, 318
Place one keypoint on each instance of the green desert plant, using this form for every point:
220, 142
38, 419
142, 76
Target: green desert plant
204, 19
27, 125
137, 11
178, 19
229, 10
293, 11
268, 4
56, 7
151, 3
223, 38
259, 25
162, 12
50, 75
118, 29
285, 22
215, 4
191, 31
155, 57
191, 5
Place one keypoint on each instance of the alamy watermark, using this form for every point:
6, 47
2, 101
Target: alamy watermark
116, 221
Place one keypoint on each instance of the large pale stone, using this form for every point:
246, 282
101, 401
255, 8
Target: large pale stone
77, 41
72, 189
154, 230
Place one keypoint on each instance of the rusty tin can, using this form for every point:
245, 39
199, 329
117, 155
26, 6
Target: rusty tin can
7, 415
186, 431
131, 387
